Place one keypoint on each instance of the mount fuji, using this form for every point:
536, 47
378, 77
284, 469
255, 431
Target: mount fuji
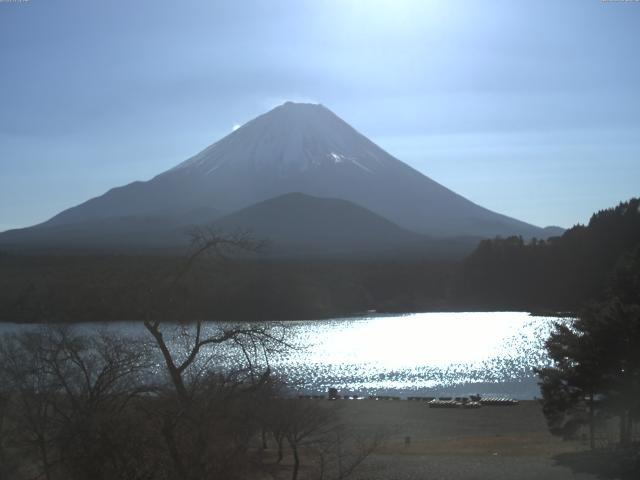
294, 148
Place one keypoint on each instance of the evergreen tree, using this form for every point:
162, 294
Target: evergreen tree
597, 357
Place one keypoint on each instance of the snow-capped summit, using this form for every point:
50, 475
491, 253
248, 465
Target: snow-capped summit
292, 138
306, 148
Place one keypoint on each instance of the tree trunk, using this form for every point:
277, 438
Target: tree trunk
174, 372
625, 434
296, 463
591, 423
280, 454
263, 432
167, 432
45, 458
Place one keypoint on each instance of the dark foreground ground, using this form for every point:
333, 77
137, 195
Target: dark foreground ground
486, 443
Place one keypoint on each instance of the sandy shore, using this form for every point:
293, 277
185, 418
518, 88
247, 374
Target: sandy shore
488, 443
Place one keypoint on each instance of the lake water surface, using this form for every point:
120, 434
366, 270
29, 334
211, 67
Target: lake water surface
491, 353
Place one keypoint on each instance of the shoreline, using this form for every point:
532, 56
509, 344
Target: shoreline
344, 316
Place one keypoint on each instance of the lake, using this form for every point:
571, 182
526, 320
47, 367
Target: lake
430, 354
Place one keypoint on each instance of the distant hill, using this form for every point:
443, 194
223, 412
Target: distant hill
552, 231
293, 148
295, 222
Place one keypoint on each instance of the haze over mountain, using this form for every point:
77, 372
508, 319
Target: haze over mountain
293, 148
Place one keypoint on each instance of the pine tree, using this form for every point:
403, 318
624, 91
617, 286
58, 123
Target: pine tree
597, 359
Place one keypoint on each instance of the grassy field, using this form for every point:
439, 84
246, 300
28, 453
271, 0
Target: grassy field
488, 443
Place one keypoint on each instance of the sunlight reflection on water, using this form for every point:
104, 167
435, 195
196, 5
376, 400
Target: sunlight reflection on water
455, 353
421, 354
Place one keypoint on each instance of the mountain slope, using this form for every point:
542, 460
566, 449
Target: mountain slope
124, 233
298, 148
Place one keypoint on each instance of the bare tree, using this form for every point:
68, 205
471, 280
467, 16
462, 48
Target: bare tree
4, 403
305, 425
205, 243
317, 432
199, 430
98, 378
343, 451
69, 395
32, 392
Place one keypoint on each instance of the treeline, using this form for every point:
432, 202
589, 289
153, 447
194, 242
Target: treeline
560, 274
69, 288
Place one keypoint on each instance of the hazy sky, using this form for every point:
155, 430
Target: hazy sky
530, 108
